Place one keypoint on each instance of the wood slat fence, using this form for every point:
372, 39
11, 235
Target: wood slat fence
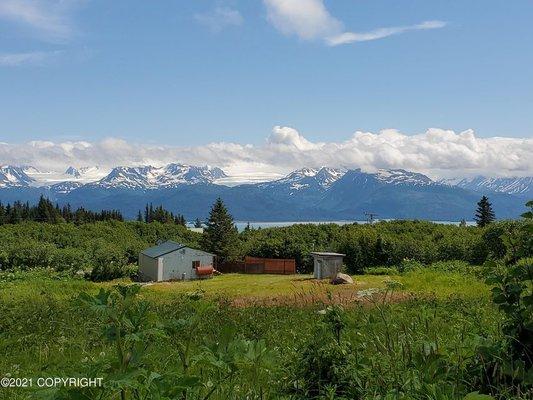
255, 265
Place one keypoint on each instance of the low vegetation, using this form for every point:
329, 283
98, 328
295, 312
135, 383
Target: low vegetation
441, 312
109, 249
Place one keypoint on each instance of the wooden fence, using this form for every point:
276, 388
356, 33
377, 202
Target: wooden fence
255, 265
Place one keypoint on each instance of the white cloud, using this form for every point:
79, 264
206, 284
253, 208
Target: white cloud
50, 20
351, 37
31, 58
310, 20
220, 18
438, 153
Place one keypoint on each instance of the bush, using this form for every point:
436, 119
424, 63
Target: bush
458, 266
324, 366
410, 265
31, 254
109, 263
69, 259
381, 271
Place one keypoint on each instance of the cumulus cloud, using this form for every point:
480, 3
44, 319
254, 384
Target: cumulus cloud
311, 20
220, 18
438, 153
308, 19
50, 20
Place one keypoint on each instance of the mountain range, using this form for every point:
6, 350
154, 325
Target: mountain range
306, 194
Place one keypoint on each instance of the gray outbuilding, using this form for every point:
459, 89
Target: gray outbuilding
174, 261
327, 265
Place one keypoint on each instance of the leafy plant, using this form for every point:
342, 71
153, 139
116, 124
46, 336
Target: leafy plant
512, 292
130, 327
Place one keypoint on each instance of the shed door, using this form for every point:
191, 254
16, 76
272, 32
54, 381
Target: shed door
160, 268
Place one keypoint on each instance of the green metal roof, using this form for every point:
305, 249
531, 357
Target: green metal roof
163, 248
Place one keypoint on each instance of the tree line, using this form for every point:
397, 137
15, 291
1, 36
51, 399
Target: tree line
368, 245
109, 248
159, 214
47, 212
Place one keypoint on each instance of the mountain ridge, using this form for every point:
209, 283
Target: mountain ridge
305, 194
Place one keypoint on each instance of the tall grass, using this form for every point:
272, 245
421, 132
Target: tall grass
389, 346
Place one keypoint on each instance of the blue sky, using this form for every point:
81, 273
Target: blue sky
188, 73
164, 74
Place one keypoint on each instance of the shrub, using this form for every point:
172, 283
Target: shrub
461, 267
408, 265
109, 263
323, 364
69, 259
381, 271
31, 254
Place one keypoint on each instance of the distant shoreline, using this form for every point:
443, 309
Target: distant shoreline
278, 224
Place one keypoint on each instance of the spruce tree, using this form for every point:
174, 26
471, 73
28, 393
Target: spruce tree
139, 216
197, 223
528, 214
484, 213
220, 235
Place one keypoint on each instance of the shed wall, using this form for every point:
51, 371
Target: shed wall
327, 267
148, 268
178, 264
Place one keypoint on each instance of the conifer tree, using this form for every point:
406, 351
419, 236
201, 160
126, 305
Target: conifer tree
221, 236
528, 214
484, 213
197, 223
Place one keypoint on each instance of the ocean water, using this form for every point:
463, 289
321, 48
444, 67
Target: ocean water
257, 224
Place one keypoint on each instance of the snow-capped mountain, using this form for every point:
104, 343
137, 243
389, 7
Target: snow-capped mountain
45, 178
74, 172
84, 173
11, 176
28, 169
305, 194
149, 177
516, 186
402, 177
65, 187
319, 179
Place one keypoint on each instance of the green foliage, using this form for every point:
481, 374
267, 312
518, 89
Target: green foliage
220, 235
391, 346
380, 244
529, 214
324, 366
382, 271
484, 213
511, 358
159, 214
109, 263
46, 212
130, 327
69, 259
106, 250
408, 265
68, 246
513, 294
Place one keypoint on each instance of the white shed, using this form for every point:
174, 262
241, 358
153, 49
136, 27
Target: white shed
174, 261
327, 265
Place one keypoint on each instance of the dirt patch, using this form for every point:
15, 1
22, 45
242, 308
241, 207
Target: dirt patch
346, 297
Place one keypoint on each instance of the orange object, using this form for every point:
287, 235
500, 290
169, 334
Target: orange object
205, 270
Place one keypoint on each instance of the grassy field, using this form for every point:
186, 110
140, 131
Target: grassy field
237, 286
409, 336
